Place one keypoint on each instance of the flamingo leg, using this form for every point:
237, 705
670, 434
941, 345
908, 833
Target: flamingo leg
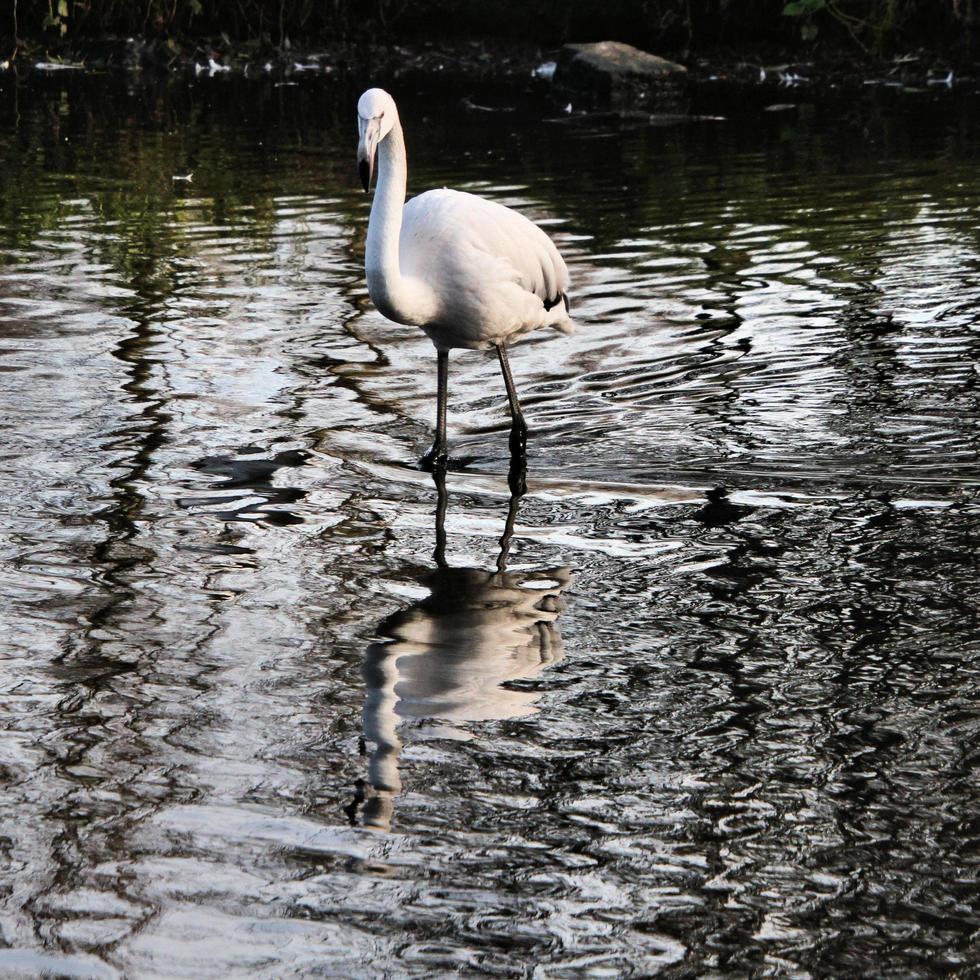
438, 456
518, 428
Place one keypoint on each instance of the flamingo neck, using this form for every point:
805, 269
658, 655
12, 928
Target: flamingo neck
398, 297
385, 224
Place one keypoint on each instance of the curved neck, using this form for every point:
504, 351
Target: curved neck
385, 225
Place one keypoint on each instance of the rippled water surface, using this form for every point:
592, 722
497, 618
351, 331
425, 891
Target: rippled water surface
703, 703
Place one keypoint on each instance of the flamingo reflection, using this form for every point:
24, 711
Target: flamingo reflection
449, 655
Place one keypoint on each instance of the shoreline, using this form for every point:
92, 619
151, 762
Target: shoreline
486, 63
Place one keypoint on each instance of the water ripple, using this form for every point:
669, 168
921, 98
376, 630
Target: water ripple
703, 702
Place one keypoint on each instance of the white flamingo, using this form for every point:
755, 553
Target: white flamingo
470, 272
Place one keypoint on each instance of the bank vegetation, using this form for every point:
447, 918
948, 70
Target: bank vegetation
875, 28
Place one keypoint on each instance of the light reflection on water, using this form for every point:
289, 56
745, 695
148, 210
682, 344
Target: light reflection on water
716, 715
456, 654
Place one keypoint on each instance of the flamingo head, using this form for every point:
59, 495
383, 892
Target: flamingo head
376, 115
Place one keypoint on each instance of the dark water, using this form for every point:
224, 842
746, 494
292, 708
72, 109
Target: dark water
712, 707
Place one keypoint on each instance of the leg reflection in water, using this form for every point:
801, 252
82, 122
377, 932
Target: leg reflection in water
448, 655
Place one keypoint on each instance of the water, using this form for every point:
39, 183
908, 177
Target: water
702, 703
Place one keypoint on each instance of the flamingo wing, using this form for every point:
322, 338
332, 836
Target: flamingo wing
470, 241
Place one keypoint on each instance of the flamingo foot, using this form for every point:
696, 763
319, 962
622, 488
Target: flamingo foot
436, 460
517, 476
518, 437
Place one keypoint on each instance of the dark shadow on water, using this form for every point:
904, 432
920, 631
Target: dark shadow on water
254, 476
719, 511
452, 655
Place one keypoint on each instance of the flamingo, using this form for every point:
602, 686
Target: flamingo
471, 273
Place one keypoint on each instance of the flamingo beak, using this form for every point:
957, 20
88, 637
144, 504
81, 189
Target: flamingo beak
367, 145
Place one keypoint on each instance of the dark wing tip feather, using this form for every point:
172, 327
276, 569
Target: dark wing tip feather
560, 298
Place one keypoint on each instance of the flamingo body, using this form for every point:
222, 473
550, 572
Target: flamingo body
495, 275
470, 272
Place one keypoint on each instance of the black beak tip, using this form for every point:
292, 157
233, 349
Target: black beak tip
364, 169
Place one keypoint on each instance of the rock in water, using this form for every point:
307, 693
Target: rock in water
616, 75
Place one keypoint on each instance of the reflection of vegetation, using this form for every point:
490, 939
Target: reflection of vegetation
248, 144
80, 147
880, 24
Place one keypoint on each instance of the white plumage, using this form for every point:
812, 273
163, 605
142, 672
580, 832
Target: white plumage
495, 274
470, 272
